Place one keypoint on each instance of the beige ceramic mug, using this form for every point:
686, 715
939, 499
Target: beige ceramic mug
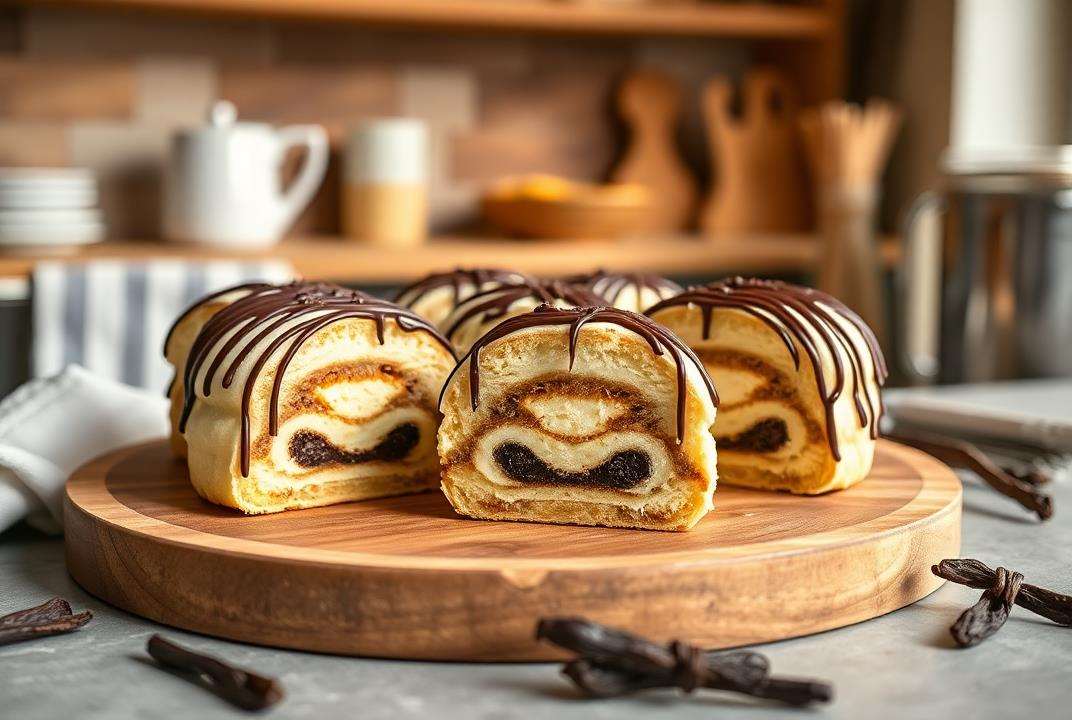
385, 180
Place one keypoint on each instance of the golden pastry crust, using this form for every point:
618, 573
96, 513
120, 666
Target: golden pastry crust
435, 296
598, 440
472, 318
772, 431
177, 349
635, 292
354, 409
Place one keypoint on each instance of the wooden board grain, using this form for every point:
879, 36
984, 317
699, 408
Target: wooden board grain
406, 577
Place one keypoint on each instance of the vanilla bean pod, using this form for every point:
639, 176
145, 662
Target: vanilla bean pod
613, 662
239, 687
965, 455
1027, 462
986, 617
1032, 474
49, 618
1004, 588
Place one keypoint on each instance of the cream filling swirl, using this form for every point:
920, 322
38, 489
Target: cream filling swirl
570, 457
734, 421
354, 438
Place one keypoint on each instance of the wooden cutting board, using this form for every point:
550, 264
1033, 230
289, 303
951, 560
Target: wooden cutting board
649, 103
760, 184
407, 578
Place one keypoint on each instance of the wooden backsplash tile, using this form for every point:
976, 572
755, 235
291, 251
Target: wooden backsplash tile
351, 44
547, 122
175, 90
445, 97
452, 202
63, 32
59, 91
481, 158
10, 30
322, 217
128, 160
334, 96
106, 89
32, 143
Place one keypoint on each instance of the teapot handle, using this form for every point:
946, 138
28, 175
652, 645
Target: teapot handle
305, 185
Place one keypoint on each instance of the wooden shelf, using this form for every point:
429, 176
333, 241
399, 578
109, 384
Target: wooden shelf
698, 19
335, 259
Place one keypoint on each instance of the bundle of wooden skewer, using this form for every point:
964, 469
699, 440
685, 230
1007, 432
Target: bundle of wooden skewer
848, 147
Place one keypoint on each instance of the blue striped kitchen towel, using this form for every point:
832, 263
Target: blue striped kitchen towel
111, 316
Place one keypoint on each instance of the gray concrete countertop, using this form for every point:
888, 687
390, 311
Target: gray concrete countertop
901, 665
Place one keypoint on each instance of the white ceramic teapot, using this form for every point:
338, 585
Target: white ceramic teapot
222, 184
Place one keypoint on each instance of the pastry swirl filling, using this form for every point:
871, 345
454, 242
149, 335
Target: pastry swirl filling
522, 461
311, 449
589, 415
622, 471
761, 416
356, 419
813, 327
568, 431
765, 436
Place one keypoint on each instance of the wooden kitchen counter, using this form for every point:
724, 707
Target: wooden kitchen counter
337, 259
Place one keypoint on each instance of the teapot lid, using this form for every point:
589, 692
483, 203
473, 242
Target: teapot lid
222, 116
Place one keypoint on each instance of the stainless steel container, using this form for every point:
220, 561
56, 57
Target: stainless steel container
986, 283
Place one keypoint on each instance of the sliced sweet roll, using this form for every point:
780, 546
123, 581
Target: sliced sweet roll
593, 416
177, 348
475, 316
800, 376
310, 394
434, 296
627, 291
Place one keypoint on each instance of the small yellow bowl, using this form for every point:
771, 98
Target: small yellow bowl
545, 206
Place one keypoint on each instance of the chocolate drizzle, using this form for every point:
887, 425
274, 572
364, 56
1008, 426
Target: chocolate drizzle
456, 279
805, 316
610, 286
495, 303
270, 308
658, 338
251, 286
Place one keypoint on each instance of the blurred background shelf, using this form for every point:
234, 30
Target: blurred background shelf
697, 19
334, 259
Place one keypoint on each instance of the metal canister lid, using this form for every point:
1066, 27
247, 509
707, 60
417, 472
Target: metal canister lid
1011, 169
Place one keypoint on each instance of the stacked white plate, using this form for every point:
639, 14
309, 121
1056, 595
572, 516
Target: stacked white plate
48, 208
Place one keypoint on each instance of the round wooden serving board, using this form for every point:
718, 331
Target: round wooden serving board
406, 577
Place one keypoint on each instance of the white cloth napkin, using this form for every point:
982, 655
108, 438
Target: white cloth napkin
50, 426
111, 316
